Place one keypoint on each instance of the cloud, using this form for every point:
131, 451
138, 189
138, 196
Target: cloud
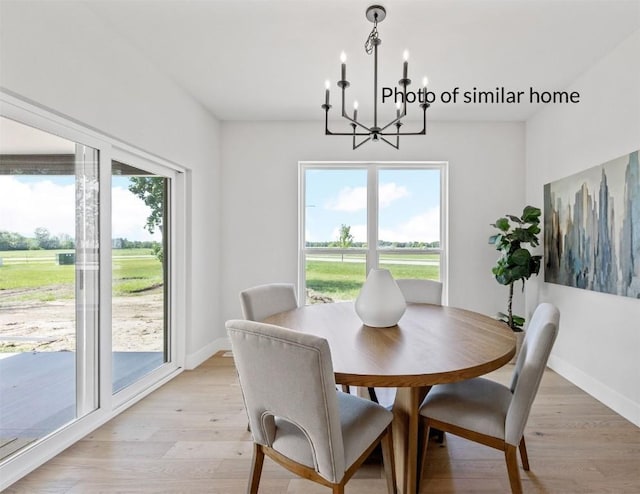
424, 227
351, 199
390, 192
129, 216
25, 206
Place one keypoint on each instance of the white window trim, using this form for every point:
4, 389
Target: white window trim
372, 251
109, 405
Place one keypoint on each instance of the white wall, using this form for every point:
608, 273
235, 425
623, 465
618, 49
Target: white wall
598, 346
259, 198
59, 55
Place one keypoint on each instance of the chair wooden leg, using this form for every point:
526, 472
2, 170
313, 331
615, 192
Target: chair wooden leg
437, 434
256, 468
388, 461
372, 395
423, 455
523, 454
338, 489
345, 388
511, 456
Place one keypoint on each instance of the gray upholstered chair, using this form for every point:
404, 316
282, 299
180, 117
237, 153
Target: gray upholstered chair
421, 291
493, 414
262, 301
415, 291
316, 432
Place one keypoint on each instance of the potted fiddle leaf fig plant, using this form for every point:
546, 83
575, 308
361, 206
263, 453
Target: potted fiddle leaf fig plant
516, 263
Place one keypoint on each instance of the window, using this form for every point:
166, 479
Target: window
358, 216
91, 281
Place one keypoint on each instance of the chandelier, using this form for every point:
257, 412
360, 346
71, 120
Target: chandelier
386, 132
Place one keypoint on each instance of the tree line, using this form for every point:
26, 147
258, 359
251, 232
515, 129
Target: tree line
149, 189
383, 243
43, 240
345, 241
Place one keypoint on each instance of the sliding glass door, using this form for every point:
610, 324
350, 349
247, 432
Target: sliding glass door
141, 254
49, 283
92, 280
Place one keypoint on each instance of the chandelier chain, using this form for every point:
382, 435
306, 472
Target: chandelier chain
373, 36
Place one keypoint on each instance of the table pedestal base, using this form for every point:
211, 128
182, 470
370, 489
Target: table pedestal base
405, 437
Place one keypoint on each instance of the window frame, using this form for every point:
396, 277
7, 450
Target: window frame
372, 251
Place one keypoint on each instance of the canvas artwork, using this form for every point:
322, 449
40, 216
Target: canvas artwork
592, 228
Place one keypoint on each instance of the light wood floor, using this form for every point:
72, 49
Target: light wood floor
190, 437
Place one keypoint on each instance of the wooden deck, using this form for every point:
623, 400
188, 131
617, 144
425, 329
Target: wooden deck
191, 436
38, 393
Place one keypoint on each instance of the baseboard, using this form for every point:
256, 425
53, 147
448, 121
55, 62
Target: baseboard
193, 360
609, 397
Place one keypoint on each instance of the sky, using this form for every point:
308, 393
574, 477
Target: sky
409, 204
29, 202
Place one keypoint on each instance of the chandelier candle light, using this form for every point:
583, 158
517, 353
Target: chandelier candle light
375, 14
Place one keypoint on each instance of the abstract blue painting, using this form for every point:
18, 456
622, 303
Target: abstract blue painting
592, 228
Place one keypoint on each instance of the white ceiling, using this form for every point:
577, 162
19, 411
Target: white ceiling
268, 60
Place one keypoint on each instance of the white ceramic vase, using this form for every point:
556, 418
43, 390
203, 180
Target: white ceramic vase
380, 303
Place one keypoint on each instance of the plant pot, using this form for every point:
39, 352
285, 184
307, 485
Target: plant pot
380, 303
519, 339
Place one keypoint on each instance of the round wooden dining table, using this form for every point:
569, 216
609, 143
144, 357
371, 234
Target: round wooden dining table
430, 345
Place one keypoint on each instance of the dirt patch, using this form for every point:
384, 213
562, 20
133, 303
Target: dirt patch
137, 323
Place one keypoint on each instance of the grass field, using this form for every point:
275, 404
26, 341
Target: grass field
32, 272
138, 270
30, 256
134, 275
341, 279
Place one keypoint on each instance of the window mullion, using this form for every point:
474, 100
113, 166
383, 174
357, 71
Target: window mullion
302, 247
372, 217
444, 232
